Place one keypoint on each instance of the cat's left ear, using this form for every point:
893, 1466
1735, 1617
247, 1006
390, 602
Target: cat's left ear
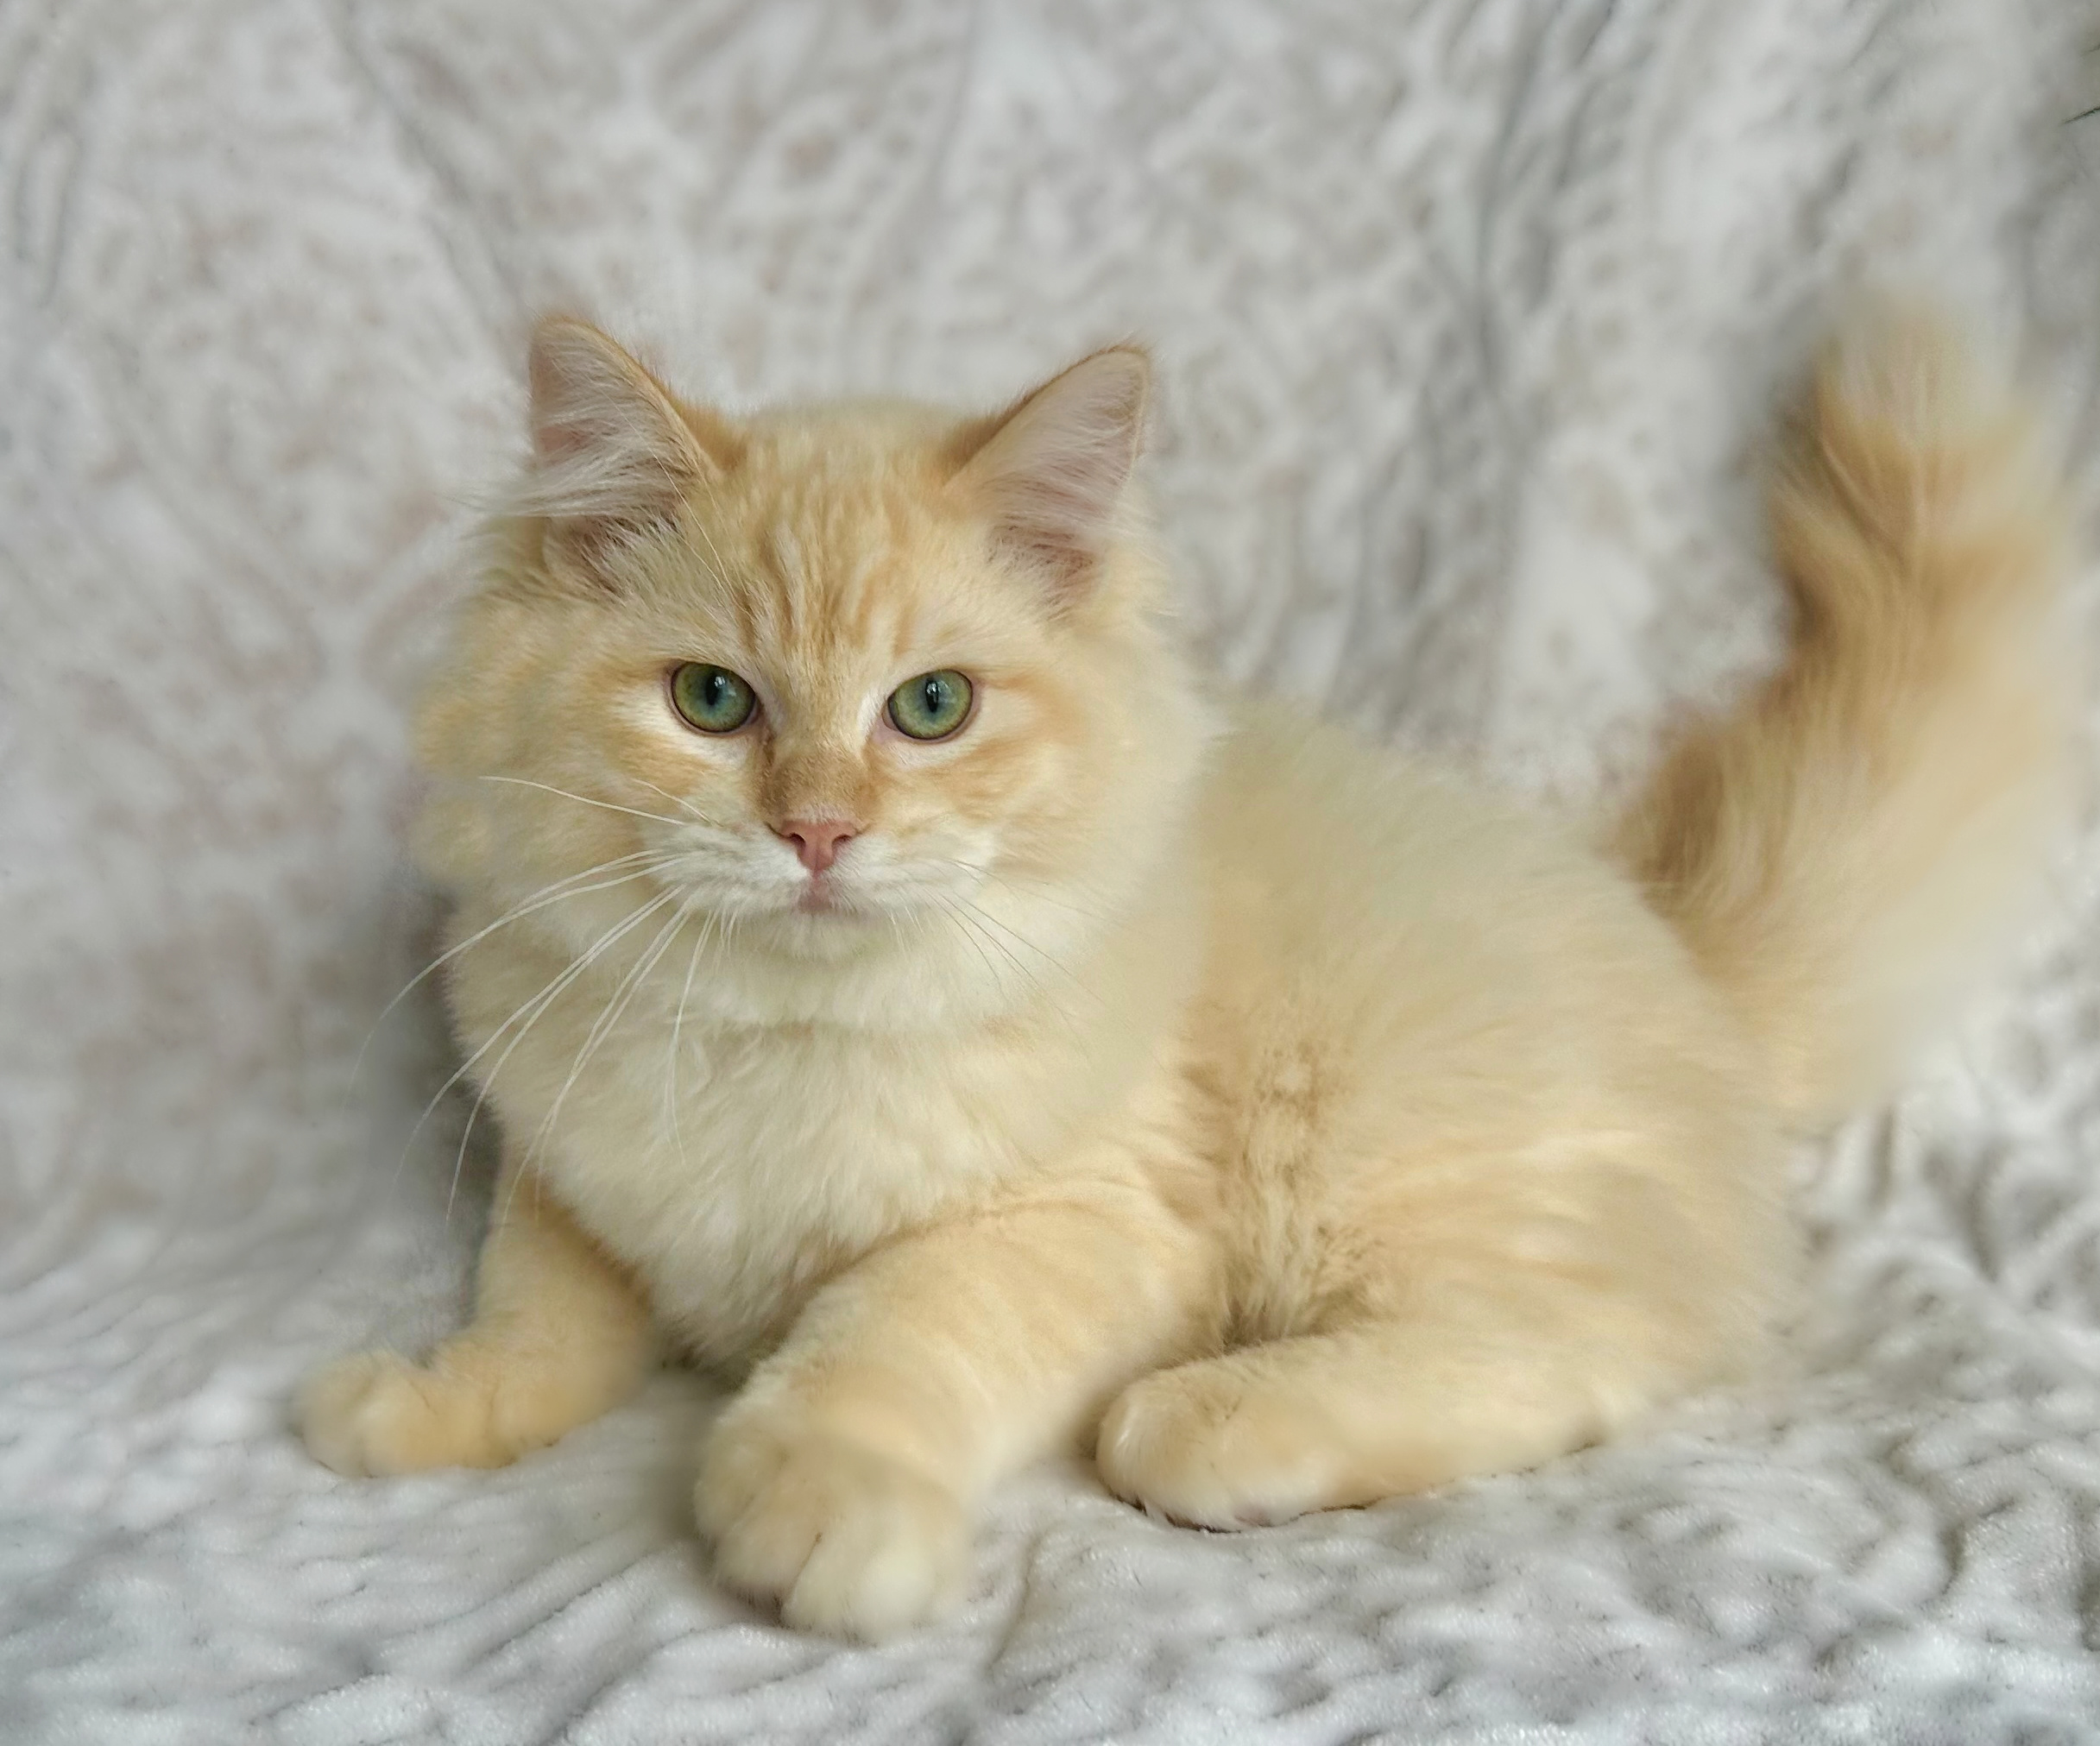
1051, 470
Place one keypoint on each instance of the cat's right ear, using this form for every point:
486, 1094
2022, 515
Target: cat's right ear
614, 454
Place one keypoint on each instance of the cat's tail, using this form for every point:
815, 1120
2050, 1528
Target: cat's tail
1838, 850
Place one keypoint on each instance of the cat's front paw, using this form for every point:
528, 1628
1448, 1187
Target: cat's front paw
376, 1413
846, 1540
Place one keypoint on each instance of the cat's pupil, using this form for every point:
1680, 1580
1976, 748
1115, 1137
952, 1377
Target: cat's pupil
932, 689
715, 686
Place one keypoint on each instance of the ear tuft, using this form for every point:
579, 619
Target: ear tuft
1051, 469
614, 452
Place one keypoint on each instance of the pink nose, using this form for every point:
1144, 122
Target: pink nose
817, 841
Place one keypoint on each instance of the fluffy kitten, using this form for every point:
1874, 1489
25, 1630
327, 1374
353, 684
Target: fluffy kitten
900, 980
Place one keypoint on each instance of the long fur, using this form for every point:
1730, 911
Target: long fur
1842, 851
1170, 1074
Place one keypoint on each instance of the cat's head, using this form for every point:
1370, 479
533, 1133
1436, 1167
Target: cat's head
830, 682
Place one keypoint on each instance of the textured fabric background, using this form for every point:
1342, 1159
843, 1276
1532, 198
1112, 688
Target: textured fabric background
1469, 312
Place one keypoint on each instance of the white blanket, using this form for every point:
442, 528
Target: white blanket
1469, 312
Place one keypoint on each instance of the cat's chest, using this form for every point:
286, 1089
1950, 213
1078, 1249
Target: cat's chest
733, 1170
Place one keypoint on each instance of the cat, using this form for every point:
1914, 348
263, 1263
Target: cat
906, 985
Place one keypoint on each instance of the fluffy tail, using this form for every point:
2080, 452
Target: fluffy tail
1838, 850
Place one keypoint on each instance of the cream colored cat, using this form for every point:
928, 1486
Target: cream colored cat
897, 978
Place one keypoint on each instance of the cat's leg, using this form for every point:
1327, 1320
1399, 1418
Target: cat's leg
840, 1482
558, 1337
1478, 1380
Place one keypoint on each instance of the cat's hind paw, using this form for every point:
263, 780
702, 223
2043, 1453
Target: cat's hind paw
845, 1539
1201, 1446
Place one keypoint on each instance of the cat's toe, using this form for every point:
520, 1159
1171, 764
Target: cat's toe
1197, 1446
845, 1539
374, 1413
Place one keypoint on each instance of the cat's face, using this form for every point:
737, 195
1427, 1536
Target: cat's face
823, 680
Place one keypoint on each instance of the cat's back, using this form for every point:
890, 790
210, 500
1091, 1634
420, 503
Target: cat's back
1403, 958
1326, 852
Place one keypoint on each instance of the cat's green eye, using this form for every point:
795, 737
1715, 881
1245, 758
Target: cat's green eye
932, 706
712, 699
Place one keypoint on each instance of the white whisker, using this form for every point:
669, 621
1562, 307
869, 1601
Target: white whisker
587, 800
971, 914
617, 1002
683, 805
976, 940
641, 862
1014, 934
539, 1003
677, 1026
1026, 894
972, 921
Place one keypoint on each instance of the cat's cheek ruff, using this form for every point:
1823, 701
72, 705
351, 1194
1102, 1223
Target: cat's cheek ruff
680, 770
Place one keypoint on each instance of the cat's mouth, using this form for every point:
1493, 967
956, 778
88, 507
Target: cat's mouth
819, 898
853, 894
